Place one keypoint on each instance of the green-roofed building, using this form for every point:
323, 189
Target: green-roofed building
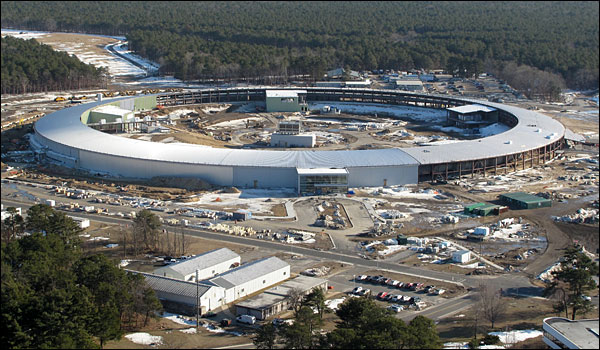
471, 207
522, 200
486, 209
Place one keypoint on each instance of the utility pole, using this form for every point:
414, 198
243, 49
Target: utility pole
197, 303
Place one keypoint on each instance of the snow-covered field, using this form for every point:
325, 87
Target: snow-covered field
253, 200
116, 66
413, 113
507, 338
235, 123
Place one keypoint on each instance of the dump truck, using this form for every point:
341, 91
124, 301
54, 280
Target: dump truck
60, 99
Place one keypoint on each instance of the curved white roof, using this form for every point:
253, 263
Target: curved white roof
66, 128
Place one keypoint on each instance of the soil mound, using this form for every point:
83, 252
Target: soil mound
188, 183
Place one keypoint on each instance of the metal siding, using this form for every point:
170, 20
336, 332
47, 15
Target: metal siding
266, 177
142, 168
375, 176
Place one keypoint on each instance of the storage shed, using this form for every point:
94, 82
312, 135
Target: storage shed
522, 200
471, 207
486, 209
461, 256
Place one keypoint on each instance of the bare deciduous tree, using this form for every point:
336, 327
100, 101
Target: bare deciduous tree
295, 295
491, 305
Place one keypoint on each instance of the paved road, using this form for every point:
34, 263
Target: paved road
510, 283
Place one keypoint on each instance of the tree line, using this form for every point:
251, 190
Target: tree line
28, 66
362, 325
200, 40
54, 296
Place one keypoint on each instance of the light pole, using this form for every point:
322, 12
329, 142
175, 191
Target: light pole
354, 281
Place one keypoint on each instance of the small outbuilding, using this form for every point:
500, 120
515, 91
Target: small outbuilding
461, 256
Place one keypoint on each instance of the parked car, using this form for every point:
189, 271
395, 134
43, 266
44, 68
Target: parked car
388, 297
361, 277
429, 288
386, 281
400, 285
225, 322
586, 297
357, 290
381, 295
248, 319
395, 308
396, 298
281, 321
394, 283
439, 291
365, 292
407, 285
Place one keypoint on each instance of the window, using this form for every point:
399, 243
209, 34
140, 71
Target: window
284, 273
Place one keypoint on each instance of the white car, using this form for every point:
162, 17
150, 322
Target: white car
585, 297
248, 319
365, 292
395, 308
361, 277
356, 290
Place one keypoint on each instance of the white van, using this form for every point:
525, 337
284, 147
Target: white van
248, 319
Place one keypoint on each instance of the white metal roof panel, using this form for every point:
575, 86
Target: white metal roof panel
174, 286
203, 261
471, 109
532, 131
249, 272
284, 93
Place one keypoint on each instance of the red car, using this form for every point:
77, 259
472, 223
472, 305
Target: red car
381, 295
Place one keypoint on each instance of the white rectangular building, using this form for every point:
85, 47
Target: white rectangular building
182, 296
461, 256
208, 265
290, 140
251, 277
82, 222
409, 85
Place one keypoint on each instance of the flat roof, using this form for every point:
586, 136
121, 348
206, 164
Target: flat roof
284, 93
321, 171
583, 333
408, 82
280, 292
471, 109
110, 109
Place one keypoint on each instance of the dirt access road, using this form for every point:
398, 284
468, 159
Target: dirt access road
557, 238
